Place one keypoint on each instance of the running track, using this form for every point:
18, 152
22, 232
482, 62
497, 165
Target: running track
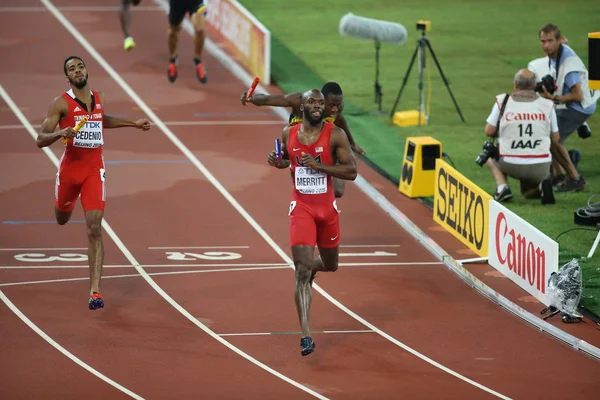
208, 311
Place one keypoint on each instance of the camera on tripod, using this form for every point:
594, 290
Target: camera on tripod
489, 150
423, 25
548, 83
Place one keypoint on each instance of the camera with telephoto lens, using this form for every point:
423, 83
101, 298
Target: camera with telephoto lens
489, 150
548, 83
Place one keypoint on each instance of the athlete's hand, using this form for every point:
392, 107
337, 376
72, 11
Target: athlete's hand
67, 133
244, 99
357, 149
309, 161
143, 124
274, 162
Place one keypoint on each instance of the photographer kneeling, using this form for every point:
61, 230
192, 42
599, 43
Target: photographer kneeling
526, 128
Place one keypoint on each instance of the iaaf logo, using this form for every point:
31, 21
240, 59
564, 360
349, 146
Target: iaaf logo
520, 254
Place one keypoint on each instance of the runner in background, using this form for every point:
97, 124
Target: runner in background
125, 17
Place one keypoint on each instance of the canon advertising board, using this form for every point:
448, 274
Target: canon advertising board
520, 251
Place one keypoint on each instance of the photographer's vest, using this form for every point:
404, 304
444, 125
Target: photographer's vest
541, 67
525, 129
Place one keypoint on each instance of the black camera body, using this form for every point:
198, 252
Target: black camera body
548, 83
489, 150
584, 131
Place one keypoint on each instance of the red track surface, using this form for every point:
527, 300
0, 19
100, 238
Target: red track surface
162, 200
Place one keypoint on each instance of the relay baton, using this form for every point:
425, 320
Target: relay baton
250, 91
79, 125
278, 148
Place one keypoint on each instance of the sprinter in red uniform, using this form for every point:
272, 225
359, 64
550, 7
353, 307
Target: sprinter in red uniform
334, 108
81, 170
315, 151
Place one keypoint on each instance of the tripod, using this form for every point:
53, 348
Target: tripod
422, 45
378, 92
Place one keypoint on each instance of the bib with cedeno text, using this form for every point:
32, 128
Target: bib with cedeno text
90, 135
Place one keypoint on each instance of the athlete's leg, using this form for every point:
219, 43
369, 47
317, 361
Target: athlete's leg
65, 198
93, 200
176, 15
125, 17
303, 260
303, 240
199, 33
173, 35
93, 221
328, 241
339, 186
199, 36
328, 259
62, 217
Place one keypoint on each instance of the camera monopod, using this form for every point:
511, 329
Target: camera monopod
379, 31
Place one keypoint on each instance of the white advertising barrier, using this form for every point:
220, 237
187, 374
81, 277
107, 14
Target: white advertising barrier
520, 251
234, 28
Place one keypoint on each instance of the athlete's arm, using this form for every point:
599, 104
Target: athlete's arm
110, 122
278, 100
58, 109
285, 157
341, 122
346, 167
113, 122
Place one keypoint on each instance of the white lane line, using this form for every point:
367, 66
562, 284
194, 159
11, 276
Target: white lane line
385, 264
369, 264
199, 271
246, 267
148, 111
77, 9
372, 254
143, 266
43, 248
369, 245
61, 280
295, 333
217, 123
64, 351
199, 247
182, 123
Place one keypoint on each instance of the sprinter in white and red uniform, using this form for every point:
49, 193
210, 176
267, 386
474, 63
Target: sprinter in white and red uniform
315, 151
81, 170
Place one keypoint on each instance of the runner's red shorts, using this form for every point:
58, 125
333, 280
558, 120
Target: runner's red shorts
73, 181
311, 225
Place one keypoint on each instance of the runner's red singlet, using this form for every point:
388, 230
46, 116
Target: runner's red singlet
81, 169
314, 218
